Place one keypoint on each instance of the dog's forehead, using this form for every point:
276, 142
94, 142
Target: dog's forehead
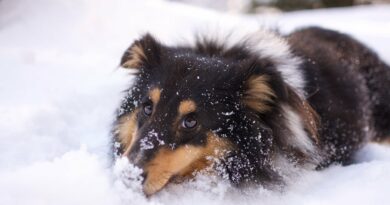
188, 76
196, 71
194, 85
183, 98
202, 62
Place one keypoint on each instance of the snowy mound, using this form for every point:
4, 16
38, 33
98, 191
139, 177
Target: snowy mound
59, 87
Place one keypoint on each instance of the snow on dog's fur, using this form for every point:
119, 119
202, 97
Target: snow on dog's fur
250, 110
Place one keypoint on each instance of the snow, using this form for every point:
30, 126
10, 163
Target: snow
60, 85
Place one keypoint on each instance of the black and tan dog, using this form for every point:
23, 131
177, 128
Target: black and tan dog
251, 109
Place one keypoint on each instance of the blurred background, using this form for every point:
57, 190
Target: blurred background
272, 6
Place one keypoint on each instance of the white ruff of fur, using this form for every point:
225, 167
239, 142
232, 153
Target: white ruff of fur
299, 137
265, 44
269, 45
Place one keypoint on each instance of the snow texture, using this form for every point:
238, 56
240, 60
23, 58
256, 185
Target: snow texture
60, 85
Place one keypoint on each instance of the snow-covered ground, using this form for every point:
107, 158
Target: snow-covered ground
60, 85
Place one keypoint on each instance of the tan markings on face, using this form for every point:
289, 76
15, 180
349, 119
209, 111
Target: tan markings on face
136, 57
216, 147
258, 93
154, 95
182, 162
127, 130
186, 106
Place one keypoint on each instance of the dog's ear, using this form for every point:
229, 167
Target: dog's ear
263, 86
258, 93
264, 91
144, 52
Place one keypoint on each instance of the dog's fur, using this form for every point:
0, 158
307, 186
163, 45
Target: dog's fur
260, 106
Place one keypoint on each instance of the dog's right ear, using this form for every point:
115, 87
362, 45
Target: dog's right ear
144, 52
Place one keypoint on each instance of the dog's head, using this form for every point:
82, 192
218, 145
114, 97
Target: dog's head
190, 107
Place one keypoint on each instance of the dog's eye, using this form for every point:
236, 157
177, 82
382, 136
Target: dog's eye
189, 122
148, 109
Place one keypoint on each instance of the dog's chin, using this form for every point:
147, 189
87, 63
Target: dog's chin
153, 185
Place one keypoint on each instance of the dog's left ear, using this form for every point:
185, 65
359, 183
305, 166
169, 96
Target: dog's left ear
264, 90
258, 94
144, 52
258, 88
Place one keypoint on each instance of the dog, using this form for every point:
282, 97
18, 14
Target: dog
252, 109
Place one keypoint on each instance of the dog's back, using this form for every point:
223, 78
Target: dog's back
347, 85
252, 110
